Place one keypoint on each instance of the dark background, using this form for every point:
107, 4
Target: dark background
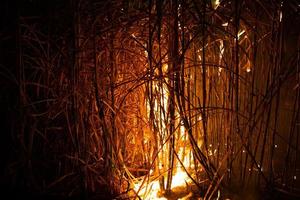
10, 116
10, 11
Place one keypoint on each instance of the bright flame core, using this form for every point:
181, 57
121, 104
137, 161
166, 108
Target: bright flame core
149, 187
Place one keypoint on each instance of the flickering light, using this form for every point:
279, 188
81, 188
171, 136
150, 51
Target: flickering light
240, 34
260, 168
210, 153
221, 47
276, 145
219, 70
215, 4
225, 24
182, 131
199, 57
219, 194
164, 68
295, 177
148, 191
180, 179
280, 16
248, 69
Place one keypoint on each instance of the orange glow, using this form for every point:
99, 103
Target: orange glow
148, 191
149, 186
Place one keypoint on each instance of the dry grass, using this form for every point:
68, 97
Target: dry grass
99, 108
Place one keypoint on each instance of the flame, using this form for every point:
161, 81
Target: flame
180, 179
149, 186
148, 191
151, 190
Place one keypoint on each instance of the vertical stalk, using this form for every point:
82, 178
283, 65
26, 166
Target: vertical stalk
173, 84
204, 116
236, 58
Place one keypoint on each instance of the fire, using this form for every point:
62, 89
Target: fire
150, 186
151, 190
180, 179
148, 190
